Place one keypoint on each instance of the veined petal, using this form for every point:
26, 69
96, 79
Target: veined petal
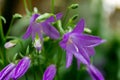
33, 18
69, 58
90, 40
36, 29
90, 50
81, 58
64, 40
75, 47
50, 30
52, 18
87, 40
27, 33
21, 67
79, 27
95, 73
75, 51
49, 73
29, 29
6, 70
83, 52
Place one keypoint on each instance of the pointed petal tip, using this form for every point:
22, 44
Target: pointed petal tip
67, 66
59, 15
82, 20
79, 26
103, 41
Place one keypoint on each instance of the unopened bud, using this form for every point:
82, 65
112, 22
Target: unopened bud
10, 44
73, 6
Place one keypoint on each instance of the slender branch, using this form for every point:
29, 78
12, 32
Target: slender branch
10, 26
52, 6
26, 7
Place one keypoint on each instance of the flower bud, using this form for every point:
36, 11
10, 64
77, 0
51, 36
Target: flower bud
21, 67
37, 43
50, 73
73, 6
10, 44
6, 71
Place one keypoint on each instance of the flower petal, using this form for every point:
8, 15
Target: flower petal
87, 40
33, 18
81, 58
50, 30
79, 27
75, 51
91, 41
27, 33
29, 30
69, 58
83, 52
90, 50
52, 18
95, 73
64, 40
49, 73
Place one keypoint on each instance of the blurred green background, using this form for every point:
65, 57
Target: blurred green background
102, 17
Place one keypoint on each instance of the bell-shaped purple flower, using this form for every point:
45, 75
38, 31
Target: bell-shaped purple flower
78, 44
6, 71
42, 27
21, 68
94, 73
49, 73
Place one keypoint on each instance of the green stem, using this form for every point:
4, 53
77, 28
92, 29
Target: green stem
26, 7
2, 41
30, 5
26, 77
10, 27
1, 31
65, 17
118, 64
59, 25
52, 6
22, 46
34, 73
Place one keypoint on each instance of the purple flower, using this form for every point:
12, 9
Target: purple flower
21, 68
78, 44
94, 73
49, 73
40, 28
6, 71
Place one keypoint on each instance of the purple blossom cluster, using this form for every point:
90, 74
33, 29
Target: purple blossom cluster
75, 43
